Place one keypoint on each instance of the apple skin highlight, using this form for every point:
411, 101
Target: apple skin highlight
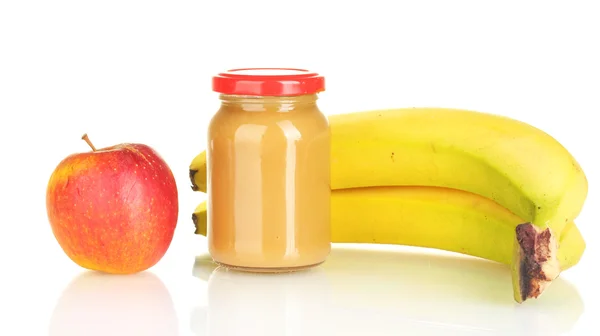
113, 210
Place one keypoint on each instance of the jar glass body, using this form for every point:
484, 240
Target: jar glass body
268, 168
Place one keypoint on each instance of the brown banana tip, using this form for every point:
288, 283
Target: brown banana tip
538, 262
192, 175
195, 221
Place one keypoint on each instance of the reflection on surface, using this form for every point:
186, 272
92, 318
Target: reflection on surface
102, 304
264, 304
365, 292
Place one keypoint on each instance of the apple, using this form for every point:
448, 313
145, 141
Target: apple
113, 209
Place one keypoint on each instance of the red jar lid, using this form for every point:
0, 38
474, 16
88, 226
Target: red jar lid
268, 82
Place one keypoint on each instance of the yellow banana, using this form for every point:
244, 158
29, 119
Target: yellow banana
505, 160
440, 218
198, 172
199, 218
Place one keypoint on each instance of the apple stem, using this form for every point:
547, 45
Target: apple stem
85, 137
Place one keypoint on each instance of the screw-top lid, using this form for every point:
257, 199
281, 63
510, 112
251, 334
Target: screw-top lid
268, 82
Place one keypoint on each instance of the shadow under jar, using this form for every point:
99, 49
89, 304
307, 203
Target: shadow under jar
268, 167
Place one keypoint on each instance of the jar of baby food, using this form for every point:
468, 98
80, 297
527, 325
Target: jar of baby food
268, 169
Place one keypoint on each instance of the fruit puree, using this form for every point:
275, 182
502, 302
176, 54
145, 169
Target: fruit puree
268, 167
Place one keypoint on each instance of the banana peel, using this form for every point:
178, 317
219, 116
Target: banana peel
538, 256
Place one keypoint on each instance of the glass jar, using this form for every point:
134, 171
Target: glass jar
268, 169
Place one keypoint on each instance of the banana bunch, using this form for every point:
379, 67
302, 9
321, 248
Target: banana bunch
462, 181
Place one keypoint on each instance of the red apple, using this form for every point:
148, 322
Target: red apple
113, 209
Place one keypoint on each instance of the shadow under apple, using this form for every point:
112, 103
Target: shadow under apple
95, 303
361, 292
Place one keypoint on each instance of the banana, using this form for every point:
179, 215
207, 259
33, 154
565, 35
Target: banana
200, 220
450, 220
198, 172
508, 161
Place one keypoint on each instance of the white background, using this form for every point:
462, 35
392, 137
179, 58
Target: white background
139, 71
